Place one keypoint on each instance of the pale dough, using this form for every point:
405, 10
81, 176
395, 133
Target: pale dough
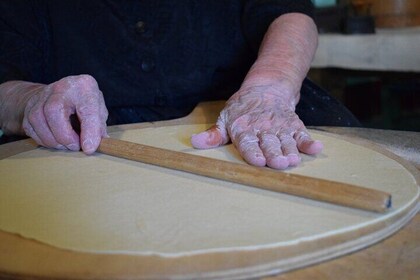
104, 204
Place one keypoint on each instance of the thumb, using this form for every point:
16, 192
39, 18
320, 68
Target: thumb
214, 137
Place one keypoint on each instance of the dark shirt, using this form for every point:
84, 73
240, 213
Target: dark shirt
153, 60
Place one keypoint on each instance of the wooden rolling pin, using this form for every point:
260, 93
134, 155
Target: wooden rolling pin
260, 177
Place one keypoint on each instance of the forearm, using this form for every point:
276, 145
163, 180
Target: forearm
14, 96
285, 55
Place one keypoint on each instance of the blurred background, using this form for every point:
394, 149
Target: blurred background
369, 58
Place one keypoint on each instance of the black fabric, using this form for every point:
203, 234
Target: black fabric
153, 60
317, 108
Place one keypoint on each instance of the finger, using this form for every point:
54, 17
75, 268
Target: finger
104, 118
214, 137
37, 121
290, 150
31, 132
306, 145
92, 128
91, 113
27, 127
90, 136
248, 146
57, 112
271, 148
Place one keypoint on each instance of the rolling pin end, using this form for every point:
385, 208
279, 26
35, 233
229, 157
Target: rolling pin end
388, 204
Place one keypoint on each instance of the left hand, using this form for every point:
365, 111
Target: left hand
263, 126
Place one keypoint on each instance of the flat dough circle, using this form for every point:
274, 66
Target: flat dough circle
102, 204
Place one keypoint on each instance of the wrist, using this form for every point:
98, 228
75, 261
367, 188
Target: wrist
284, 90
14, 96
269, 93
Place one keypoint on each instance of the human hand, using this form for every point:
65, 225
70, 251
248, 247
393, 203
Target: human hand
264, 128
48, 110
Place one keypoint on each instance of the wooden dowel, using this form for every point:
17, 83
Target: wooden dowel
264, 178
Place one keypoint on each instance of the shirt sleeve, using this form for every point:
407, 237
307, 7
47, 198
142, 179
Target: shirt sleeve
258, 15
23, 40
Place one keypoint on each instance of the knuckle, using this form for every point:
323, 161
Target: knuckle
60, 86
246, 141
80, 83
268, 140
239, 125
302, 136
88, 110
86, 78
52, 108
87, 83
286, 140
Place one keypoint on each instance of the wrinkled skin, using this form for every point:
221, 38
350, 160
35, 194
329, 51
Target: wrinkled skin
262, 127
47, 110
259, 119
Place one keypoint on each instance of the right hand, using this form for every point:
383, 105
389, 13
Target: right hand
47, 114
262, 124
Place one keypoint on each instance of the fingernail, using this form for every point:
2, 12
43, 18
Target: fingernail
88, 146
256, 159
73, 147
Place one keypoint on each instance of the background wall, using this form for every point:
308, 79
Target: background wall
388, 99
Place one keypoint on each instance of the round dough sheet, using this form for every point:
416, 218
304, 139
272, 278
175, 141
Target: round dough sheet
104, 204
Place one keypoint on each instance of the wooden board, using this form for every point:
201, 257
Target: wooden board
21, 257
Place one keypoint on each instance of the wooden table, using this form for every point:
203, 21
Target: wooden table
397, 257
